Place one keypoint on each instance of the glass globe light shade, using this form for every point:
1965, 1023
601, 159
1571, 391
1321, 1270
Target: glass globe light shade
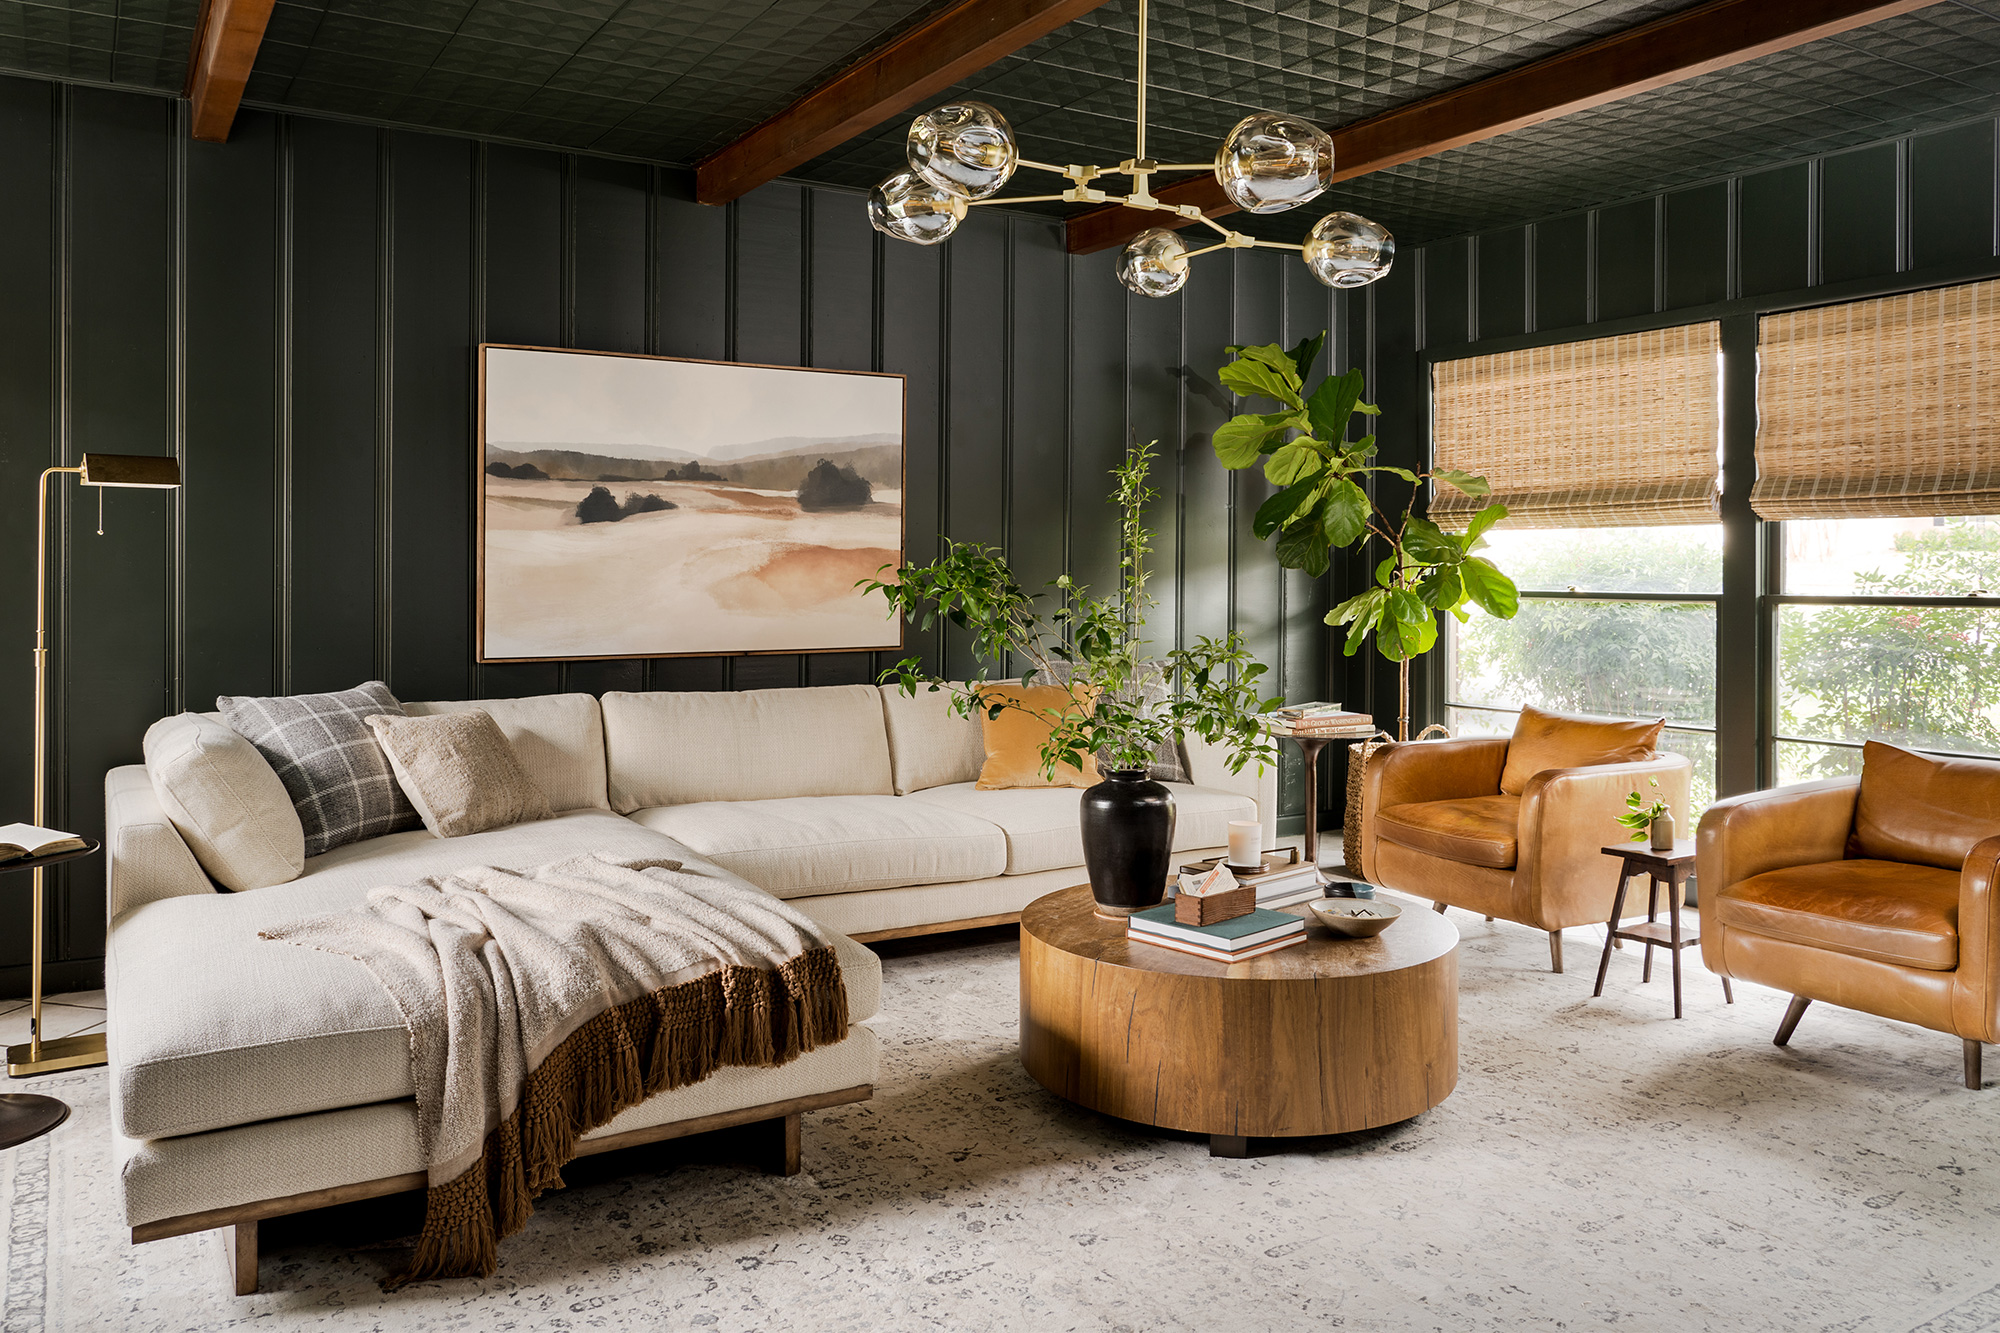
1347, 250
967, 148
1271, 162
1155, 263
910, 209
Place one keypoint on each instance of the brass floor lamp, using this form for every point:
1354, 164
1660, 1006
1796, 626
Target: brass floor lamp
36, 1056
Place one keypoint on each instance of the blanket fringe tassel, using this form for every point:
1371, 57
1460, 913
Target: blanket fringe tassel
656, 1043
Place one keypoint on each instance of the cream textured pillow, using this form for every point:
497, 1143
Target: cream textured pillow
459, 771
226, 802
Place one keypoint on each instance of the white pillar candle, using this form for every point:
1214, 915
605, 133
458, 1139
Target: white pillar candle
1246, 842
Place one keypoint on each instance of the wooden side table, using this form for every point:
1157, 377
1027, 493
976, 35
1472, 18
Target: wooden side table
1310, 744
27, 1115
1670, 869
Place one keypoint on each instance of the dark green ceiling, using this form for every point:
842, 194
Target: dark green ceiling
672, 80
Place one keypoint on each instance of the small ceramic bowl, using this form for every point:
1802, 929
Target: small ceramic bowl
1356, 918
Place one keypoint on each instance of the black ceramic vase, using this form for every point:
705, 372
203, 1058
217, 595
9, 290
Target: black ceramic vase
1128, 839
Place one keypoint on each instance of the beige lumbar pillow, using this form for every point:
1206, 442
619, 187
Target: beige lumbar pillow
226, 802
460, 772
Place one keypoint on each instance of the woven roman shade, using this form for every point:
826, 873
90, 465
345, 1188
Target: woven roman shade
1881, 408
1604, 433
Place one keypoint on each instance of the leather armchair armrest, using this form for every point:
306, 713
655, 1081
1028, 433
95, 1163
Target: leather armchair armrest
1412, 771
1975, 999
1800, 825
1569, 816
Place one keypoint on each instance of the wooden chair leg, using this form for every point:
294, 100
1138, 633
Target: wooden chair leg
1489, 918
781, 1153
1793, 1014
1728, 995
239, 1247
1439, 906
1972, 1055
1555, 951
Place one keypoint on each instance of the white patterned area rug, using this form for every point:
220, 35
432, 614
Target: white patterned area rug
1600, 1167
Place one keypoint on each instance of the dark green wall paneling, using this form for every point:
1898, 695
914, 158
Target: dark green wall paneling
1503, 283
1774, 229
1562, 271
1627, 259
294, 314
1697, 245
1859, 209
1951, 195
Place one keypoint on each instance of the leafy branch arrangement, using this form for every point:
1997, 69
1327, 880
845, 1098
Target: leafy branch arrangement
1124, 705
1324, 502
1639, 816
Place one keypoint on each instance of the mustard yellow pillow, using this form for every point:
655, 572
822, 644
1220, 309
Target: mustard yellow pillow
1014, 740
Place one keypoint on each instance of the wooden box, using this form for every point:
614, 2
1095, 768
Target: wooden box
1190, 910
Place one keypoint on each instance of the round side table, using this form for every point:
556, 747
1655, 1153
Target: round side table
1326, 1037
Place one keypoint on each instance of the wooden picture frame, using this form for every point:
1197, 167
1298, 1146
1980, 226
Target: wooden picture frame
732, 548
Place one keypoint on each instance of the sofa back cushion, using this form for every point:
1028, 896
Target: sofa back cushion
747, 745
226, 801
929, 745
559, 739
1924, 810
1562, 740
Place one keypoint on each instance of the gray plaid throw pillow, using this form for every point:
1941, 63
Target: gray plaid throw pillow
331, 764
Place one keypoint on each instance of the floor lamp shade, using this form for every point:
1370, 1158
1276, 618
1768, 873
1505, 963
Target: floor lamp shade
147, 471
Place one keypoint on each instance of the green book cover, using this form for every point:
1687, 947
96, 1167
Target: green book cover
1223, 934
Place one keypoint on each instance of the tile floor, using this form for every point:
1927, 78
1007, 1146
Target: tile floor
66, 1015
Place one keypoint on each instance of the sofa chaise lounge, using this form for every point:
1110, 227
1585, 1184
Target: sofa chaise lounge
252, 1079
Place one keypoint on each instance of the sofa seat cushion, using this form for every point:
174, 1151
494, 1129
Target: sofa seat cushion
1042, 828
1890, 911
1472, 830
211, 1026
799, 846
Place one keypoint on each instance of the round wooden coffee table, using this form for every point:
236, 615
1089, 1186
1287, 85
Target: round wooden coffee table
1326, 1037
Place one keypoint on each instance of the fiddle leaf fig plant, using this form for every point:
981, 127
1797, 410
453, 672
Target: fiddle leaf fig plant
1121, 704
1325, 502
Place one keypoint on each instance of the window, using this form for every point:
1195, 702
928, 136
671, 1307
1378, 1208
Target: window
1618, 621
1880, 632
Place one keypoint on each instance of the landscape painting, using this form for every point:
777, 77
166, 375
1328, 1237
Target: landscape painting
635, 506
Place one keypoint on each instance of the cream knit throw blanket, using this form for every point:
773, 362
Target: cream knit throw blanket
541, 1003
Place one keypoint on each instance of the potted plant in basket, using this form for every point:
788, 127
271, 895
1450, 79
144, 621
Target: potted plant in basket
1324, 502
1115, 703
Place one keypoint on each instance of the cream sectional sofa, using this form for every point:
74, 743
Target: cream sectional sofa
252, 1079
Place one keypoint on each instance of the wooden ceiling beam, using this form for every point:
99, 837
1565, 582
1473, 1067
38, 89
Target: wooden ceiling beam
922, 63
226, 38
1682, 46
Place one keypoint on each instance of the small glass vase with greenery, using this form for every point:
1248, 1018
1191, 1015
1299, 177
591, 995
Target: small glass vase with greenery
1122, 704
1326, 501
1643, 818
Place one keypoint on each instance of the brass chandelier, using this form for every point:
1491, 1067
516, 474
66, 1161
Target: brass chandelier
963, 153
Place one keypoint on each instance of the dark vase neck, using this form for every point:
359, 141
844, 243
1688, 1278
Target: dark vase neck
1125, 774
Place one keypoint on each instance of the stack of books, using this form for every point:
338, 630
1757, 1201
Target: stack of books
1320, 719
1250, 936
1278, 884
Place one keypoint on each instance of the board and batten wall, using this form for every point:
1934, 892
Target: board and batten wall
1897, 215
294, 315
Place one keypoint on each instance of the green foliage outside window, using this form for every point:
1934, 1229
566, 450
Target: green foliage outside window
1927, 676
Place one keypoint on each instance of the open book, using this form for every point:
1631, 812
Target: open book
24, 840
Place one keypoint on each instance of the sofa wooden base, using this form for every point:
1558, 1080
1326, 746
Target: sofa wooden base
239, 1222
936, 928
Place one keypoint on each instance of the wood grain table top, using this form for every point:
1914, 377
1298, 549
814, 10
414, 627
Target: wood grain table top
1065, 920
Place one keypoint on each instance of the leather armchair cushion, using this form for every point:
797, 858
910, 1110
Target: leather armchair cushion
1930, 811
1560, 740
1888, 911
1473, 830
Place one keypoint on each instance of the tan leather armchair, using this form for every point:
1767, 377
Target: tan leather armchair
1438, 819
1873, 893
